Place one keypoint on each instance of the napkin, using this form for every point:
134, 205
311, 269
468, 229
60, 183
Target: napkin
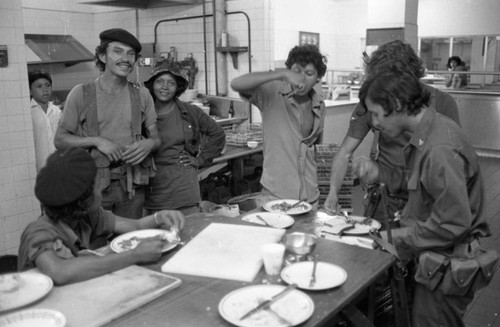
333, 224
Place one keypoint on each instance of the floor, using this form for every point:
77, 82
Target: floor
484, 311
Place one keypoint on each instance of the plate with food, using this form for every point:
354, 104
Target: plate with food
34, 317
129, 241
294, 308
20, 289
328, 275
356, 225
271, 219
288, 206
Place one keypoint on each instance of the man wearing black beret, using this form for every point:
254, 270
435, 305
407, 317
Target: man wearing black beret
116, 121
73, 220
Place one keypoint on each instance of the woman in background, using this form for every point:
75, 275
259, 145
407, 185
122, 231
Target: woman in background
456, 80
44, 115
190, 139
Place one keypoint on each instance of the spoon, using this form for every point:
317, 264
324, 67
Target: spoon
312, 281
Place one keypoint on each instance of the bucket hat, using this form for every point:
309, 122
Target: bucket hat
168, 67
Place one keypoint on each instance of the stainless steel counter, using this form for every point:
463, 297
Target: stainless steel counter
480, 118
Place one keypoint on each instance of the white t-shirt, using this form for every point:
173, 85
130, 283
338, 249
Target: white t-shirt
44, 128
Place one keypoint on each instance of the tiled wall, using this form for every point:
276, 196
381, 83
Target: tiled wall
18, 206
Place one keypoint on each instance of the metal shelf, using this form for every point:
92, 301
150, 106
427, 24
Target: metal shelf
233, 51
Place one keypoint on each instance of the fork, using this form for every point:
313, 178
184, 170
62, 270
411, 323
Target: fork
294, 205
348, 219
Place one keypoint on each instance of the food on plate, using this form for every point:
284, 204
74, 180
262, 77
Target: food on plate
131, 243
9, 283
365, 221
285, 206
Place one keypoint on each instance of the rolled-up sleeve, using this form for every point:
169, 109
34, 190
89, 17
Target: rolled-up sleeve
37, 239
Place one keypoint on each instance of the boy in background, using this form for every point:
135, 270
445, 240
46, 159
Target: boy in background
44, 115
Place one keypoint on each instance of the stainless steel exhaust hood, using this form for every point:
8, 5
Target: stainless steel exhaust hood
141, 4
56, 49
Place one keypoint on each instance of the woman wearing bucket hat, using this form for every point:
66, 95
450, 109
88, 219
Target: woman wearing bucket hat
190, 139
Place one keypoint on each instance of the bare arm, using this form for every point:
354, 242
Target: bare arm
66, 271
64, 139
169, 219
250, 81
340, 164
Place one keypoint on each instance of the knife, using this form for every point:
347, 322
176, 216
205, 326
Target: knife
266, 304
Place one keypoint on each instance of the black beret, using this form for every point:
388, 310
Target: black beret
66, 176
35, 74
121, 35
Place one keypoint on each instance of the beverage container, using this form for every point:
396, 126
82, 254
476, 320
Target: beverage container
272, 255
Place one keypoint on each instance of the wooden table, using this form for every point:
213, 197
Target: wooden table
195, 302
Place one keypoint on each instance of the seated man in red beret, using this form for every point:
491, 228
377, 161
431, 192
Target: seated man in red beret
73, 220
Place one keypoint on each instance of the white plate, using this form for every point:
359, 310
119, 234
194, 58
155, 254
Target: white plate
130, 240
327, 275
19, 289
296, 307
359, 228
34, 317
276, 206
278, 220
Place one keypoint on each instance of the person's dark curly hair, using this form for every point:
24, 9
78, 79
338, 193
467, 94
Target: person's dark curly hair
395, 91
73, 211
100, 50
394, 56
455, 59
307, 54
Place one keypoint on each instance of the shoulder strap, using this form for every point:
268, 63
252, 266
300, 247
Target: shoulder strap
89, 109
135, 106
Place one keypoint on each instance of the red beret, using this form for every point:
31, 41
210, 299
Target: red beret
66, 176
121, 35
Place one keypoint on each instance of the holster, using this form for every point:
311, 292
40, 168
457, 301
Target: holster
144, 171
103, 176
431, 269
140, 174
468, 269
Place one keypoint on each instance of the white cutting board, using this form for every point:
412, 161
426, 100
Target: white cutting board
224, 251
97, 301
